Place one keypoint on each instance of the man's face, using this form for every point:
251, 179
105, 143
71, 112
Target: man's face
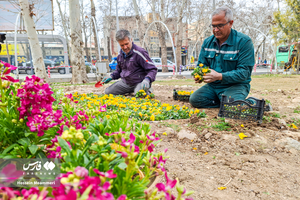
221, 33
125, 45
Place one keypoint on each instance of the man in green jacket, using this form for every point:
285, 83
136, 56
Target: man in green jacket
230, 56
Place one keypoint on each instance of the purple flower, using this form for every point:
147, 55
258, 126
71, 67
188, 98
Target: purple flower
124, 154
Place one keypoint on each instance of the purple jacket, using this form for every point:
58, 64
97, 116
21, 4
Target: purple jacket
135, 67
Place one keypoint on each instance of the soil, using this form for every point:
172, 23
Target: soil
264, 165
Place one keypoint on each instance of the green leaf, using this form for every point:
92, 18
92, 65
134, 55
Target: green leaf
33, 148
24, 141
64, 145
9, 148
27, 134
122, 166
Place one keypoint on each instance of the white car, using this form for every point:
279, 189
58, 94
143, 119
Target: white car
157, 62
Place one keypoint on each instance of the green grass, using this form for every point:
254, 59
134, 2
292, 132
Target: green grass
175, 127
222, 125
297, 110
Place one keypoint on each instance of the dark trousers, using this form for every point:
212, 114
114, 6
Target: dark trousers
209, 96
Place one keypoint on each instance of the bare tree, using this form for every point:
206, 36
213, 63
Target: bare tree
65, 28
93, 14
84, 30
37, 55
78, 67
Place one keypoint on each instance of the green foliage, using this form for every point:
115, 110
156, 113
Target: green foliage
288, 22
222, 125
297, 110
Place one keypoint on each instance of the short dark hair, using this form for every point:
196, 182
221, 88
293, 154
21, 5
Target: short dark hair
122, 34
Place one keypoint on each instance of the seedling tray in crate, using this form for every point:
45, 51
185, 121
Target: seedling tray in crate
178, 97
241, 109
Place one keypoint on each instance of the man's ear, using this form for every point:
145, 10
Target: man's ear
231, 23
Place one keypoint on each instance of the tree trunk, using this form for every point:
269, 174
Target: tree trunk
162, 37
8, 56
63, 21
108, 49
93, 13
179, 31
84, 29
78, 67
36, 51
139, 22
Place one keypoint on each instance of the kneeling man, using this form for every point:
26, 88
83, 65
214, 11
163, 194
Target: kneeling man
135, 68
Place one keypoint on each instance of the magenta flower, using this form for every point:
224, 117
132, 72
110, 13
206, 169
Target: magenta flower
151, 148
10, 173
129, 142
122, 197
108, 174
152, 137
4, 72
124, 154
169, 185
103, 108
81, 172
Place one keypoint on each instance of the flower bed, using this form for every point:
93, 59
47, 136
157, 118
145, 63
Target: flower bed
105, 152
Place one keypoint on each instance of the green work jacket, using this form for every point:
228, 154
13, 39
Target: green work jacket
234, 58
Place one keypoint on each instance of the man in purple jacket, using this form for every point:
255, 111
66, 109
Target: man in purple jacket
135, 68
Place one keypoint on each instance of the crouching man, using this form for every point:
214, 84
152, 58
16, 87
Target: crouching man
135, 68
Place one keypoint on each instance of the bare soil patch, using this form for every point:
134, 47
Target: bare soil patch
265, 165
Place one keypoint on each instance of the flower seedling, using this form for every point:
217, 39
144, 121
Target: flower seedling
200, 71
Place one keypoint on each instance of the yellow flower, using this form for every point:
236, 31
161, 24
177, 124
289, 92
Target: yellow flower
152, 118
82, 98
195, 148
294, 126
164, 133
222, 188
169, 108
242, 125
141, 91
107, 116
197, 76
201, 65
204, 70
205, 153
242, 136
140, 114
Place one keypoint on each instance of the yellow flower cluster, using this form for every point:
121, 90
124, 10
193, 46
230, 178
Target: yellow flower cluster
184, 92
143, 109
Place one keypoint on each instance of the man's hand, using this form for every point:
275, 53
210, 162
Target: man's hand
212, 76
145, 84
106, 79
198, 81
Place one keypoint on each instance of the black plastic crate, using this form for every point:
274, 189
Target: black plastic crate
180, 97
242, 109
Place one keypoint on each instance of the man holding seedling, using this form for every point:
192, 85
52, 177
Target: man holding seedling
230, 57
135, 68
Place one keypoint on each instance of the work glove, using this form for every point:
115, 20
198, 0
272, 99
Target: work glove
145, 84
106, 79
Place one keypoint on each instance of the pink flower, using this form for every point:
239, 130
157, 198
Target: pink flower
152, 137
169, 184
124, 154
103, 108
81, 172
122, 197
129, 142
151, 148
10, 173
108, 174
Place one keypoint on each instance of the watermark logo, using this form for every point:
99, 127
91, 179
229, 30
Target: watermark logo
20, 172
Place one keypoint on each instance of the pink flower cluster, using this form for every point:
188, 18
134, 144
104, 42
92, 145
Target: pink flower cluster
73, 190
36, 104
4, 72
